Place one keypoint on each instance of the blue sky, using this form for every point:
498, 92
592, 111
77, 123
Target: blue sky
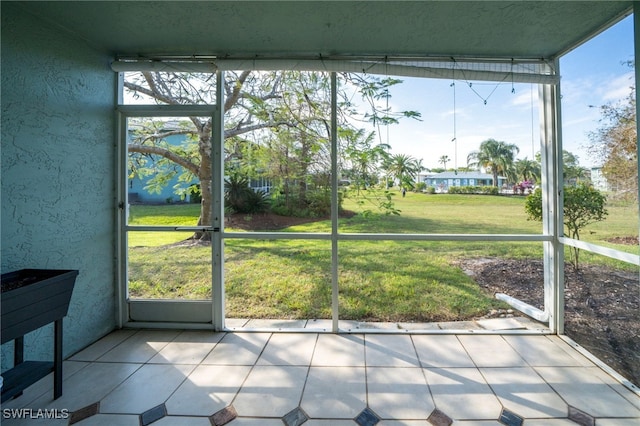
591, 74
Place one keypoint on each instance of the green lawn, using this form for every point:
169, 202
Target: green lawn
378, 280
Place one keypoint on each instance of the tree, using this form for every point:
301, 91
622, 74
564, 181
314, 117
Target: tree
572, 172
615, 143
363, 156
444, 160
279, 117
495, 156
582, 206
527, 170
405, 168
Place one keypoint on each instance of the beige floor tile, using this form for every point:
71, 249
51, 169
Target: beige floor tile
148, 387
491, 351
403, 423
34, 422
239, 421
182, 421
271, 391
541, 351
111, 420
102, 346
628, 394
581, 388
522, 391
238, 349
289, 349
90, 385
392, 350
339, 350
615, 422
335, 392
462, 393
207, 390
441, 351
571, 350
140, 347
190, 347
398, 393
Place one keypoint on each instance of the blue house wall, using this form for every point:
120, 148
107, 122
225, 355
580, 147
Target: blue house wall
57, 175
442, 181
137, 186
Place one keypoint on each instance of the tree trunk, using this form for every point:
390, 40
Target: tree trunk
205, 174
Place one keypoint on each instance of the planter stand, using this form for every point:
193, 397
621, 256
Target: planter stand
33, 298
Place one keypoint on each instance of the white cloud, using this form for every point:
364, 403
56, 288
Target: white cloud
618, 88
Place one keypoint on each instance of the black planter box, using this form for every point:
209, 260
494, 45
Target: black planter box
30, 299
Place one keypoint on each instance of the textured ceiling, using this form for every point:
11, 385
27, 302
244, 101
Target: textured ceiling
501, 29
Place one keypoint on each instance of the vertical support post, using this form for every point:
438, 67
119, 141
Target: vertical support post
217, 211
334, 203
121, 215
57, 359
552, 198
636, 46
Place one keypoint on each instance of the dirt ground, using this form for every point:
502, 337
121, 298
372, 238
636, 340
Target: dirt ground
602, 306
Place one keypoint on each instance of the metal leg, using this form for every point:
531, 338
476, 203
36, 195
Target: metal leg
57, 360
18, 354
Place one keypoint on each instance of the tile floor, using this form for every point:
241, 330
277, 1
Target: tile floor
175, 378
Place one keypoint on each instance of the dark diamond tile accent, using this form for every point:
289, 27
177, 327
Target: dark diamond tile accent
83, 413
223, 416
295, 417
510, 418
438, 418
581, 417
367, 418
153, 414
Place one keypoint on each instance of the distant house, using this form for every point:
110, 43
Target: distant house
598, 180
443, 181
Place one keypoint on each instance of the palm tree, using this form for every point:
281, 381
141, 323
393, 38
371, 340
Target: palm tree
494, 156
527, 170
444, 160
405, 168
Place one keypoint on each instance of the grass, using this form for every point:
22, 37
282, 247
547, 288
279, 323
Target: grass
378, 280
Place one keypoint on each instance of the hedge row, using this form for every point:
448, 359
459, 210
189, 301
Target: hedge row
484, 190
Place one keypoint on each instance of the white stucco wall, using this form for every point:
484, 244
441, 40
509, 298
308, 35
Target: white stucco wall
57, 175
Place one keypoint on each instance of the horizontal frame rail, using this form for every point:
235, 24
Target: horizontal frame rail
634, 259
167, 110
385, 237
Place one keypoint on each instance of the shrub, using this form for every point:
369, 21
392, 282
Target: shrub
239, 197
582, 206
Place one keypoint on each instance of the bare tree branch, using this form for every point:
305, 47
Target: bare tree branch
163, 152
235, 92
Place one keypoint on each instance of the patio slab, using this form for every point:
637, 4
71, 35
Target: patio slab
245, 379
